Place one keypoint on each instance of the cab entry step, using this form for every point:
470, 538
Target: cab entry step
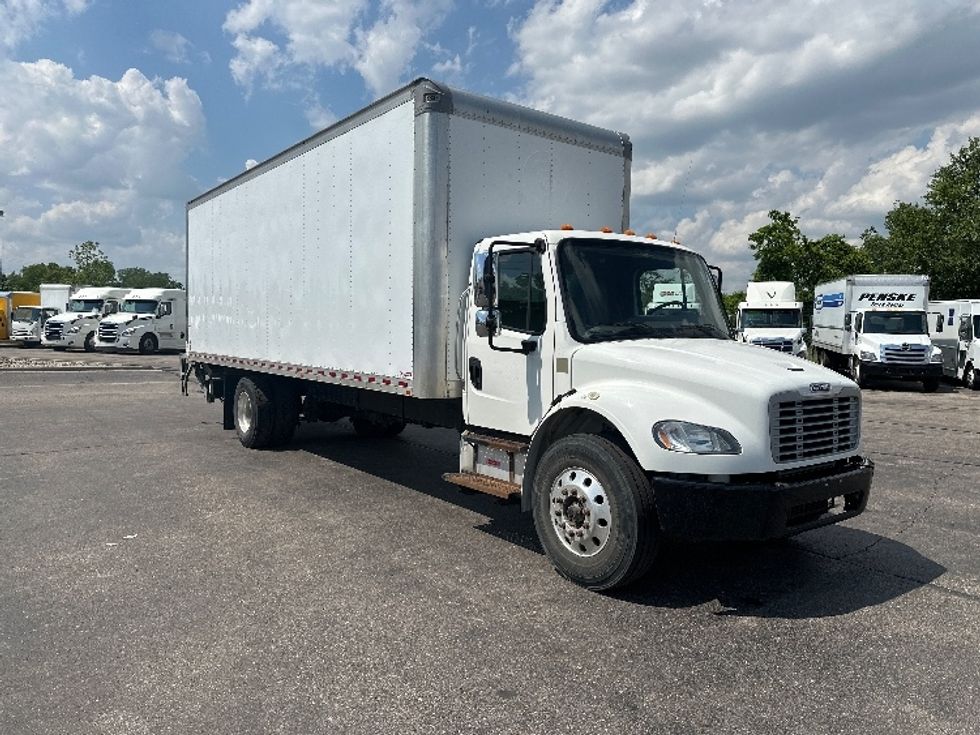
483, 484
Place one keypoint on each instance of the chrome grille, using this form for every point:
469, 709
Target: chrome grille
906, 354
53, 330
774, 343
814, 427
108, 332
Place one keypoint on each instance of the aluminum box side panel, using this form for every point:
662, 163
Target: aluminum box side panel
310, 263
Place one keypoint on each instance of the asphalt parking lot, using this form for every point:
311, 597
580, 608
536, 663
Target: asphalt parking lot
156, 577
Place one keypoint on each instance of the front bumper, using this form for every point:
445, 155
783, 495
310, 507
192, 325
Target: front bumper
697, 510
891, 370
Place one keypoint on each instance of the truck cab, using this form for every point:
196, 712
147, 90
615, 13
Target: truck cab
955, 329
78, 325
149, 319
27, 324
893, 343
771, 317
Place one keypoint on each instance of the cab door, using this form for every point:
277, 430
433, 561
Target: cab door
165, 323
509, 372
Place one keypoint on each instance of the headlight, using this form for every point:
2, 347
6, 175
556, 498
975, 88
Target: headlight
128, 332
937, 356
682, 436
868, 356
76, 329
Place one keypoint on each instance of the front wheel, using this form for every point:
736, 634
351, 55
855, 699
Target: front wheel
857, 373
594, 512
148, 344
89, 344
930, 385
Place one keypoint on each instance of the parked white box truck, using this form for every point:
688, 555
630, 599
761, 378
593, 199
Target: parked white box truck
955, 328
875, 326
771, 317
149, 319
78, 325
27, 323
359, 274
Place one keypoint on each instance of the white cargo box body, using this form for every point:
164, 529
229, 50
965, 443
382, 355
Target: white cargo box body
55, 295
343, 258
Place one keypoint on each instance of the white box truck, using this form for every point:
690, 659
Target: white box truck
78, 325
875, 326
27, 324
149, 319
955, 328
771, 317
361, 274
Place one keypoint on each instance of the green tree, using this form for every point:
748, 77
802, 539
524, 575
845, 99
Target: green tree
142, 278
30, 277
731, 302
92, 267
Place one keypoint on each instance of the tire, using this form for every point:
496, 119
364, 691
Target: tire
285, 413
89, 344
930, 385
970, 377
377, 427
148, 344
254, 412
610, 503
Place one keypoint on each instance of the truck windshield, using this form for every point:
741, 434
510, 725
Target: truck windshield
140, 306
615, 290
26, 314
891, 322
85, 305
760, 318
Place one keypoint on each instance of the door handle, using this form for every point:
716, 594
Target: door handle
476, 373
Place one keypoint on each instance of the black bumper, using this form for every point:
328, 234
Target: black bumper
913, 372
694, 510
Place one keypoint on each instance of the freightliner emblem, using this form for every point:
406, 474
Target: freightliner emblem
820, 387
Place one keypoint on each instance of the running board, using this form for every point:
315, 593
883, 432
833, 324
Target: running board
483, 484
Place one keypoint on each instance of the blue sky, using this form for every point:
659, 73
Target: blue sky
113, 114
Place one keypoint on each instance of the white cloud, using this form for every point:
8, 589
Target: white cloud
275, 39
21, 19
251, 163
94, 159
830, 110
172, 45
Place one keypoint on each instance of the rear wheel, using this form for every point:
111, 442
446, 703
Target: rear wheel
970, 377
594, 512
254, 412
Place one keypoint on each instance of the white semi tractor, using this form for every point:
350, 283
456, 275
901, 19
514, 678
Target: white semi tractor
771, 317
955, 328
27, 322
875, 326
149, 319
79, 324
609, 421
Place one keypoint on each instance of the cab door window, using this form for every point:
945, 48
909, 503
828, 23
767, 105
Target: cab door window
521, 297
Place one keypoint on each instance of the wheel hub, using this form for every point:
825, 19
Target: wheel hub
580, 512
244, 412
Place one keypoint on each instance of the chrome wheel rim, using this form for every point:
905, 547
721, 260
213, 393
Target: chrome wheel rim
579, 510
244, 412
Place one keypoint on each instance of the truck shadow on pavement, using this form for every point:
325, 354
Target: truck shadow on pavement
827, 572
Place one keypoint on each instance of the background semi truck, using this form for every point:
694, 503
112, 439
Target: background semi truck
955, 328
875, 326
79, 324
417, 263
771, 317
27, 322
149, 319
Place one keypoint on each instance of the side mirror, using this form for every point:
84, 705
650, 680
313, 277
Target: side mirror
847, 322
485, 324
489, 282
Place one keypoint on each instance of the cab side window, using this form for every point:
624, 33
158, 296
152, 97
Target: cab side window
165, 308
520, 292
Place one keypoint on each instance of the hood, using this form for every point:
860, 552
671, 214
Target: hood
706, 367
751, 333
70, 316
125, 318
878, 340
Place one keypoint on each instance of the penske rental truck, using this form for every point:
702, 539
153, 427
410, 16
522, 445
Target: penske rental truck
149, 319
874, 326
955, 328
79, 324
771, 317
445, 259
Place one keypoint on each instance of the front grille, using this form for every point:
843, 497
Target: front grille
108, 332
774, 343
21, 331
53, 331
814, 427
906, 355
